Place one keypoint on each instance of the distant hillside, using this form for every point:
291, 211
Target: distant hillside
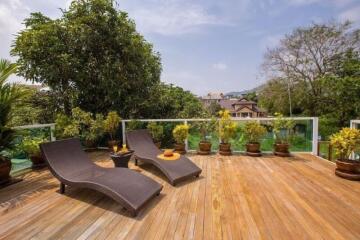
237, 94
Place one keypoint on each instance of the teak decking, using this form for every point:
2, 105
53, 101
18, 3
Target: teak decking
236, 197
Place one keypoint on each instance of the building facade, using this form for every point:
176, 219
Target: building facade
238, 107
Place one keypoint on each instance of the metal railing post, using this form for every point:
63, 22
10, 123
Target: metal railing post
52, 133
186, 140
315, 137
123, 131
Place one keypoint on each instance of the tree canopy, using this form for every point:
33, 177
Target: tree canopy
318, 68
92, 56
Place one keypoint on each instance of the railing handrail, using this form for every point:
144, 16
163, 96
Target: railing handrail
209, 119
46, 125
35, 126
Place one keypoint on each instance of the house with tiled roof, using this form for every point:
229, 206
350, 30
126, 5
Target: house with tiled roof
242, 108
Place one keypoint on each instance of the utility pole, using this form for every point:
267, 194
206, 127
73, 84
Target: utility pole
289, 93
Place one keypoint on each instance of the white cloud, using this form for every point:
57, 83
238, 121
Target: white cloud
220, 66
352, 14
172, 17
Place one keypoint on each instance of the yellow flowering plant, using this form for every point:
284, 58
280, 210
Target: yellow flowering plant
226, 127
254, 131
180, 133
345, 142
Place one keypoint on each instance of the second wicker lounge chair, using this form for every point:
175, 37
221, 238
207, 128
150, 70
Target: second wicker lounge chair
145, 150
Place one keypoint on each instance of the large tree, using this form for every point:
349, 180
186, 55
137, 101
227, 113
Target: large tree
307, 55
92, 56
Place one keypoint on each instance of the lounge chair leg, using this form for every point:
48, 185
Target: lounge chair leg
136, 162
62, 188
197, 175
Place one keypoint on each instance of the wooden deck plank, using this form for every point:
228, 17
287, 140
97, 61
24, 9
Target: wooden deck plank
237, 197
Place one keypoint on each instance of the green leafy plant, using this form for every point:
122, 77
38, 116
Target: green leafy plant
345, 142
111, 124
205, 128
134, 125
156, 131
96, 128
80, 124
9, 95
31, 146
283, 129
226, 127
254, 131
180, 133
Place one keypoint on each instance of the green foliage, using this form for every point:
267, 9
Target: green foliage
320, 82
134, 125
254, 131
9, 95
345, 142
111, 124
168, 101
31, 146
80, 124
156, 131
92, 56
180, 133
213, 108
226, 127
206, 128
61, 122
283, 128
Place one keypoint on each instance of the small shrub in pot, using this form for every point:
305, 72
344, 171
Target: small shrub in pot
253, 132
226, 129
180, 134
283, 130
157, 132
345, 142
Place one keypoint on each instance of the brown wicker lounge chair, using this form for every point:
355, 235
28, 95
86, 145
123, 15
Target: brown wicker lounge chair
145, 150
71, 166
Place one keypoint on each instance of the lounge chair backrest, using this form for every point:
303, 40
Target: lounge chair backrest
66, 157
141, 141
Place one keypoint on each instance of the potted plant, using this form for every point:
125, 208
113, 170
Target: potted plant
344, 143
205, 128
283, 130
253, 132
94, 131
31, 147
7, 136
111, 125
180, 134
227, 130
9, 95
157, 132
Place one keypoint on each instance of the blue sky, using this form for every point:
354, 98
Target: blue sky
206, 45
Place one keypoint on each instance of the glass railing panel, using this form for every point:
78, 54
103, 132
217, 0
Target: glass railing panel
19, 158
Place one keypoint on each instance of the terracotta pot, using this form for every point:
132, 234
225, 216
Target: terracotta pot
204, 148
5, 168
37, 161
180, 148
348, 169
158, 144
253, 149
225, 149
281, 149
348, 166
112, 143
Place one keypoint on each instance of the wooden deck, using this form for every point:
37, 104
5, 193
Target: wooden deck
236, 197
